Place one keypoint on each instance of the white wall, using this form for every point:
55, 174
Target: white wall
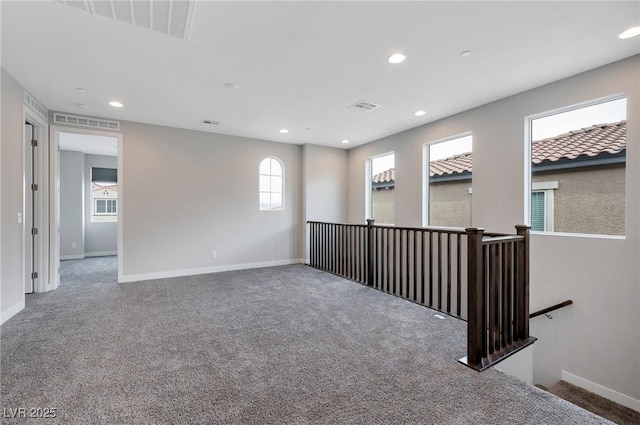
100, 238
186, 193
324, 185
598, 338
71, 204
11, 244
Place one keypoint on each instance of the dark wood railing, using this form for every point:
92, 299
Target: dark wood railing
548, 310
465, 273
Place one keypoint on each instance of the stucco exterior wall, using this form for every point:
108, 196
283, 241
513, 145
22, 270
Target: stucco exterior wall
588, 200
450, 204
383, 206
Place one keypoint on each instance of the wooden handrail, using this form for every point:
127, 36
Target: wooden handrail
550, 309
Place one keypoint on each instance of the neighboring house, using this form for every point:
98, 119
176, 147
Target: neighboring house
104, 202
578, 184
383, 197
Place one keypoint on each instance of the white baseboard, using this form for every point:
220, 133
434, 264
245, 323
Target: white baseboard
71, 257
605, 392
100, 254
88, 254
205, 270
11, 311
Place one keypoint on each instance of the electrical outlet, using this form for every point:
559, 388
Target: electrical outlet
214, 254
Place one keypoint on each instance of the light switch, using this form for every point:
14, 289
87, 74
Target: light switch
19, 218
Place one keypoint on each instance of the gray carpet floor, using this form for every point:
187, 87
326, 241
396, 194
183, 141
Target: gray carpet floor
616, 413
89, 270
281, 345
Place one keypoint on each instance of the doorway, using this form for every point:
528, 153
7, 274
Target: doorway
88, 205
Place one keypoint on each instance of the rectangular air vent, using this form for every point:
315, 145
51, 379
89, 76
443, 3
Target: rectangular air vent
172, 17
36, 106
210, 122
86, 122
364, 106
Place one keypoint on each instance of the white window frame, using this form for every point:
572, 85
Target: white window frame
368, 177
282, 184
95, 206
426, 175
528, 168
547, 188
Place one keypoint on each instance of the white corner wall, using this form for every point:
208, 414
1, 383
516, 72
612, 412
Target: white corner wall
324, 185
598, 338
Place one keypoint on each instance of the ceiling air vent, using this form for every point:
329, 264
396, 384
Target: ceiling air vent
210, 122
172, 18
364, 106
85, 122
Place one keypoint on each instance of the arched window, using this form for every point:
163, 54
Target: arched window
271, 184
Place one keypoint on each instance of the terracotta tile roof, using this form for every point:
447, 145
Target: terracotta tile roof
455, 164
591, 141
386, 176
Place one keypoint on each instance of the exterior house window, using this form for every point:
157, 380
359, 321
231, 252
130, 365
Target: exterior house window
447, 168
577, 169
106, 206
271, 177
380, 188
542, 206
104, 194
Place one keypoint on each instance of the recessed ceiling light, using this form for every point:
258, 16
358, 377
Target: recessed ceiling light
419, 113
231, 86
116, 104
345, 141
82, 106
631, 32
81, 90
284, 131
465, 53
396, 58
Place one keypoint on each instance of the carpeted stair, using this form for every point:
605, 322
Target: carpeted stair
601, 406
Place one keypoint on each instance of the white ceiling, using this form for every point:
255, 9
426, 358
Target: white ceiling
300, 65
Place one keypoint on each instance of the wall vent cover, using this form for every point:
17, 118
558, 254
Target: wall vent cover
364, 106
210, 122
85, 122
36, 106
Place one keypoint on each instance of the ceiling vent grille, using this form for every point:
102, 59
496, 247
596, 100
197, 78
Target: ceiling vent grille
86, 122
210, 122
364, 106
36, 106
170, 17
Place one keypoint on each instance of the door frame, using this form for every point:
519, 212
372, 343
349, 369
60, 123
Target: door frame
41, 220
54, 212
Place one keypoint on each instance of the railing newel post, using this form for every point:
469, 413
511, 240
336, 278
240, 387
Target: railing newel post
522, 283
369, 256
476, 326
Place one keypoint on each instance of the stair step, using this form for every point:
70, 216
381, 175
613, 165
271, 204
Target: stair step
594, 403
